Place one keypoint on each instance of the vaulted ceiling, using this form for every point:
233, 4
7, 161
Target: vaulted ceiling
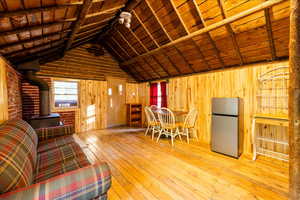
42, 28
167, 38
171, 38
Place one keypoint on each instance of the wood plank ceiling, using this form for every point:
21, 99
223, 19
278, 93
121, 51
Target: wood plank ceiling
45, 28
167, 38
171, 38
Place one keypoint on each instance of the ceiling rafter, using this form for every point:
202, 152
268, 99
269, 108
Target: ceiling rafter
144, 59
115, 51
80, 18
124, 68
212, 42
164, 69
104, 11
45, 36
142, 67
231, 32
200, 53
138, 39
120, 47
172, 63
159, 22
133, 67
145, 28
15, 53
32, 28
179, 17
211, 27
96, 23
185, 60
270, 33
87, 37
97, 29
131, 47
35, 10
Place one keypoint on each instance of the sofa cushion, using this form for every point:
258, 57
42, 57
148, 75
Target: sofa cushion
17, 158
61, 168
47, 145
58, 155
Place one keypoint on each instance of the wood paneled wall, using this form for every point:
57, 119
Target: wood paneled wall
80, 64
196, 92
3, 92
93, 106
132, 93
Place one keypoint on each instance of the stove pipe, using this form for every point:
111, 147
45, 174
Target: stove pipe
43, 91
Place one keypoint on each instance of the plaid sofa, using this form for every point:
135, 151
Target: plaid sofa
47, 164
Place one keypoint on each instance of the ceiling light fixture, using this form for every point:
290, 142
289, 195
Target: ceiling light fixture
125, 18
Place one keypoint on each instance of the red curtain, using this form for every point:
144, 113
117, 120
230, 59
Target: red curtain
153, 94
163, 87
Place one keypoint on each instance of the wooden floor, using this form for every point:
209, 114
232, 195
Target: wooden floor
143, 169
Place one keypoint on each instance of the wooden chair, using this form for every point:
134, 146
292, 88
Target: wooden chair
189, 124
152, 122
168, 125
153, 107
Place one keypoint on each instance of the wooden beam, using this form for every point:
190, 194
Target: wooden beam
142, 67
179, 17
157, 19
294, 101
95, 30
152, 68
104, 11
34, 10
96, 23
145, 28
172, 63
211, 27
13, 54
132, 48
120, 47
185, 60
138, 39
125, 69
80, 18
231, 33
270, 33
33, 39
212, 42
133, 66
115, 51
202, 57
164, 69
31, 28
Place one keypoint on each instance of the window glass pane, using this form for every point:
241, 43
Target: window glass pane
65, 94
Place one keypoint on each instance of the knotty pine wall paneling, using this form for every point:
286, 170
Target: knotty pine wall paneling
197, 91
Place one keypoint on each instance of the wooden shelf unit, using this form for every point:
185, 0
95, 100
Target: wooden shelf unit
134, 115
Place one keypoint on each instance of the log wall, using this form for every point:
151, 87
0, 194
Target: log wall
80, 64
196, 92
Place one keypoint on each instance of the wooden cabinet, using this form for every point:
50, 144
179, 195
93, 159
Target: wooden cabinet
134, 115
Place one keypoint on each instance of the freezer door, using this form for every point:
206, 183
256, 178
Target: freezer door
225, 135
225, 106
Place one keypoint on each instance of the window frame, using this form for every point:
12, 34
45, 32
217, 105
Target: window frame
53, 94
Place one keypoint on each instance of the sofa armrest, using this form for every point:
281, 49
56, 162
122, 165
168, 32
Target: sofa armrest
84, 183
52, 132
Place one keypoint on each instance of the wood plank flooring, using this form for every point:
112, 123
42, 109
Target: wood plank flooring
144, 169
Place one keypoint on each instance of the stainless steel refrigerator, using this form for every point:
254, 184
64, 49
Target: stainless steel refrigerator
225, 126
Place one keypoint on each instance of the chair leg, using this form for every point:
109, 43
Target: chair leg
160, 132
177, 132
153, 132
187, 135
147, 130
172, 138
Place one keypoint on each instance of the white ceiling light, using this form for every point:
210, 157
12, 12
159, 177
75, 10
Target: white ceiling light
125, 18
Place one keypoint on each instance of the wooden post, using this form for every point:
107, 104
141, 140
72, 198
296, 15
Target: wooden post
294, 100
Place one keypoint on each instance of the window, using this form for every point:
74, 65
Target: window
65, 94
158, 94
